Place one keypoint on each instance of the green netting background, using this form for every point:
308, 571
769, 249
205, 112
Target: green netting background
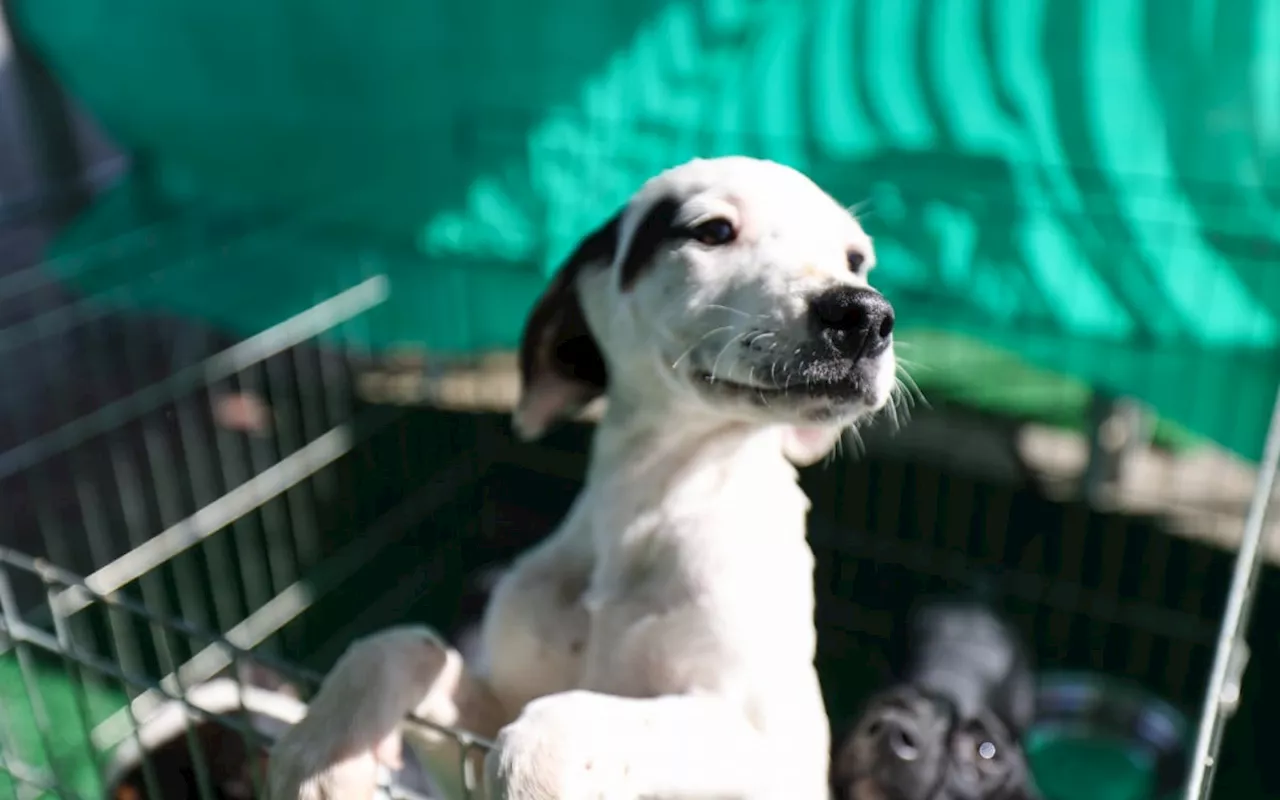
1091, 185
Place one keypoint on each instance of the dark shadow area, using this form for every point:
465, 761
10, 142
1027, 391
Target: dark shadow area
1091, 590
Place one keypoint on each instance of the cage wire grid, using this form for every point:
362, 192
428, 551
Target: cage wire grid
202, 507
25, 640
221, 552
221, 555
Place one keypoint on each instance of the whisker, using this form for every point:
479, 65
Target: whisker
854, 441
901, 408
900, 391
718, 307
701, 339
723, 350
859, 207
913, 387
915, 398
902, 412
905, 362
756, 335
837, 451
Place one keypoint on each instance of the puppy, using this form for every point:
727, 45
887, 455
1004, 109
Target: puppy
660, 642
951, 728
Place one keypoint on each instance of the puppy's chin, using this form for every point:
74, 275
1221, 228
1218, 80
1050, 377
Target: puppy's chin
858, 394
745, 403
864, 789
826, 392
843, 414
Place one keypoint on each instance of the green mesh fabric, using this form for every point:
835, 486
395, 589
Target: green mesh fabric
1089, 186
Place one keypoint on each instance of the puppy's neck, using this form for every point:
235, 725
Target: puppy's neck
680, 505
692, 465
658, 446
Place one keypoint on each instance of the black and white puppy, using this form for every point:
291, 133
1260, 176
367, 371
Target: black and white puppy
950, 727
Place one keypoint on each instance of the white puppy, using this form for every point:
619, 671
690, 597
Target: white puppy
660, 642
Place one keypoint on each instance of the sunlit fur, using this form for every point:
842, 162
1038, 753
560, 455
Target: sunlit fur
660, 642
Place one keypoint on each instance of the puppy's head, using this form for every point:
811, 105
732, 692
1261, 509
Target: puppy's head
965, 651
910, 745
732, 286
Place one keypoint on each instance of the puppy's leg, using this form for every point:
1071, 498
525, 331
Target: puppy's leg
462, 701
582, 745
353, 723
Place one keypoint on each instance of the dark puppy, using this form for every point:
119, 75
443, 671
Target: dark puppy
949, 728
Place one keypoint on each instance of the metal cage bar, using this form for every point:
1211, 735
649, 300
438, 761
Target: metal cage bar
31, 642
1231, 653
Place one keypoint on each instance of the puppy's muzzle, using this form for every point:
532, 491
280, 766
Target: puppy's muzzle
855, 322
896, 739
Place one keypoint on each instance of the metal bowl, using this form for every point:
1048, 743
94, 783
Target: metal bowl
1104, 738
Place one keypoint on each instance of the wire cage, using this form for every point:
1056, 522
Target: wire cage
150, 549
200, 517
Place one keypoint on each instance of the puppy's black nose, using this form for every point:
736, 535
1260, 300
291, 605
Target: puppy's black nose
857, 321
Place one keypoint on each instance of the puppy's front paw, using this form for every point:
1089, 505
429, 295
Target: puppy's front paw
352, 724
549, 753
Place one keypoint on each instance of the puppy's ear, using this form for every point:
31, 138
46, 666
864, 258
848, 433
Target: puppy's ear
803, 445
1014, 699
561, 366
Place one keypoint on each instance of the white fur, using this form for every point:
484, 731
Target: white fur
660, 642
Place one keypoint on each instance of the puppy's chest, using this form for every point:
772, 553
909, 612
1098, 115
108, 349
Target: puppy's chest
684, 613
642, 602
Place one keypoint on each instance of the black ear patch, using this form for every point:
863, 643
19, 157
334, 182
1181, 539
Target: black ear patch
556, 336
561, 366
657, 227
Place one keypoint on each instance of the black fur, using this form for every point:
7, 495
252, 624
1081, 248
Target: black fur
657, 227
950, 727
556, 337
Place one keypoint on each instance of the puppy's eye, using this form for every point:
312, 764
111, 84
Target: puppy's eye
714, 232
856, 261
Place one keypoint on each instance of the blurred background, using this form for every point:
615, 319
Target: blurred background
263, 267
